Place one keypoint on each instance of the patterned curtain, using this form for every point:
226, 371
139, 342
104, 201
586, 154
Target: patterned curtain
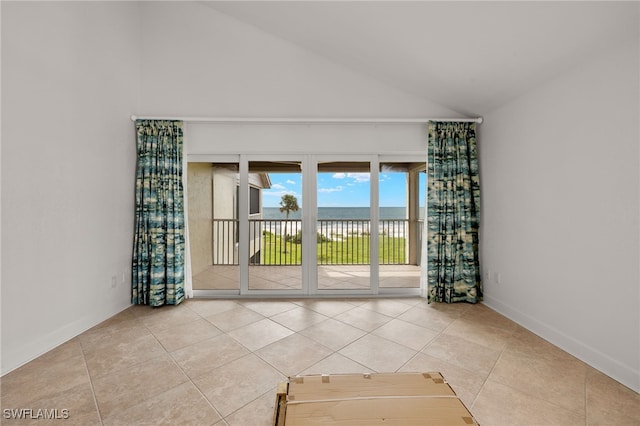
159, 238
453, 213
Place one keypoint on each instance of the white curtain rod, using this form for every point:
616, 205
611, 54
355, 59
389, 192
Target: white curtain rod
307, 120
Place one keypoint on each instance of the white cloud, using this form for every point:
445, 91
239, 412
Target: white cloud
336, 189
268, 193
290, 182
277, 186
359, 177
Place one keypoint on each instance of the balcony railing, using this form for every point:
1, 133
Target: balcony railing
225, 238
281, 242
340, 241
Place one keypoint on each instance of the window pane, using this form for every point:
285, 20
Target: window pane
399, 228
254, 200
213, 225
275, 225
344, 225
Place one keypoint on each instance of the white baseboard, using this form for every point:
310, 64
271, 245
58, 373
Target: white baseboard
13, 358
602, 362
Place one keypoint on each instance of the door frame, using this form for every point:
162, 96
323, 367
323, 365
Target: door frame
243, 258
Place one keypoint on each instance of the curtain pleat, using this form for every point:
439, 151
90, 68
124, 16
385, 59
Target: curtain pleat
159, 234
453, 213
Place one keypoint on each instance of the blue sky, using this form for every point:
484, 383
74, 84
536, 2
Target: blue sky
339, 189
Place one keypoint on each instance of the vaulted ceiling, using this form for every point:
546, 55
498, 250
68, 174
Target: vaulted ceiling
468, 56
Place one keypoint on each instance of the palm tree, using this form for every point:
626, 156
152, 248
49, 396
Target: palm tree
288, 204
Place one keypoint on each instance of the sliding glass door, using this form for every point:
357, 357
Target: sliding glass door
343, 222
401, 199
275, 225
299, 225
212, 190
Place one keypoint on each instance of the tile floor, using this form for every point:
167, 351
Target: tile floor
217, 362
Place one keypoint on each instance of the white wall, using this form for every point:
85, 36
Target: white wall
560, 188
293, 138
224, 67
70, 81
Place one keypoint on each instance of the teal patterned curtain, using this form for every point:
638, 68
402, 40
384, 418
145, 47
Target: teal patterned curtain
159, 239
453, 213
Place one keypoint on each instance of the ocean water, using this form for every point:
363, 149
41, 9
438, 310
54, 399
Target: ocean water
339, 213
346, 221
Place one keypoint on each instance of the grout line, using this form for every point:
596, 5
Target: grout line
93, 392
586, 400
189, 378
273, 389
488, 375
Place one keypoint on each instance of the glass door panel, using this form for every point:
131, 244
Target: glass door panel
213, 225
399, 227
343, 226
275, 225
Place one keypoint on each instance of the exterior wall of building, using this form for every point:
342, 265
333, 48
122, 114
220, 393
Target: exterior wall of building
213, 227
199, 193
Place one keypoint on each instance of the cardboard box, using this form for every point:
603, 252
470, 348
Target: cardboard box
368, 399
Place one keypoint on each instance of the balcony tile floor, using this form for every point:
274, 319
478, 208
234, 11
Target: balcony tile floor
289, 277
218, 362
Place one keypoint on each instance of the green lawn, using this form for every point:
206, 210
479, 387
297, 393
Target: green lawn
339, 251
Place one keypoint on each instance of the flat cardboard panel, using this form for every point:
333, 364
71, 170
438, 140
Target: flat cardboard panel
369, 399
401, 411
341, 386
